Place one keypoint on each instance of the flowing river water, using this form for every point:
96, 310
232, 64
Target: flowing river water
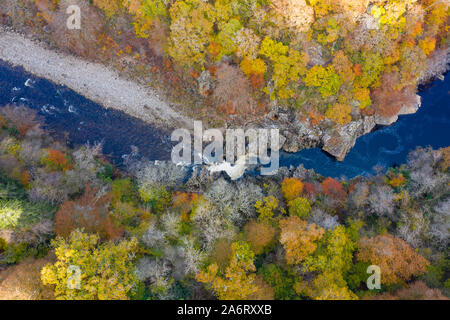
78, 120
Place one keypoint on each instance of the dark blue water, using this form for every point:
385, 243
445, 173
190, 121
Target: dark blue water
388, 146
69, 115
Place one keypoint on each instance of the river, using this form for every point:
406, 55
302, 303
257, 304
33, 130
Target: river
78, 120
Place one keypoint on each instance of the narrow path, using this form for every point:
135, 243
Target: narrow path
92, 80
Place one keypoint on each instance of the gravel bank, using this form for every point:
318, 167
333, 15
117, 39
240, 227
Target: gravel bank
92, 80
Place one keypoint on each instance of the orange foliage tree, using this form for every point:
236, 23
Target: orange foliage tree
57, 160
259, 235
298, 238
333, 188
89, 212
291, 188
397, 260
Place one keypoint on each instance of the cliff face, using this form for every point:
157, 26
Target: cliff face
297, 135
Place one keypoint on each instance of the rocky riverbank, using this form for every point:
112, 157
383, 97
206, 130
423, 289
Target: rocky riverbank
95, 81
335, 140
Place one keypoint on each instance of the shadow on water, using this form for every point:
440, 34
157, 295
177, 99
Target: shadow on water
70, 115
81, 120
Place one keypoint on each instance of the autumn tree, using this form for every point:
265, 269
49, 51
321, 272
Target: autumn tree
397, 260
90, 212
23, 281
266, 209
238, 280
88, 270
232, 92
299, 238
326, 80
288, 66
415, 291
22, 118
299, 207
333, 188
110, 7
296, 14
259, 235
82, 42
334, 252
326, 286
339, 113
291, 188
191, 31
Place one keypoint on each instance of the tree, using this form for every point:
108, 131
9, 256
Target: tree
333, 188
247, 43
326, 80
238, 280
105, 270
110, 7
381, 200
397, 260
299, 238
266, 208
259, 235
56, 160
226, 37
291, 188
388, 99
191, 30
326, 286
23, 281
296, 14
288, 65
21, 117
339, 113
232, 91
415, 291
299, 207
90, 213
372, 67
428, 45
281, 281
334, 252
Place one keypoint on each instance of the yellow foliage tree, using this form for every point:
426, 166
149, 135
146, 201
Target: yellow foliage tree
87, 270
339, 113
238, 281
191, 31
299, 238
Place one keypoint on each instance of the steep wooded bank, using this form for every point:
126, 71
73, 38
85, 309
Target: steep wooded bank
324, 72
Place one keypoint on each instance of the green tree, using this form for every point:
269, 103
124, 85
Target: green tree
299, 207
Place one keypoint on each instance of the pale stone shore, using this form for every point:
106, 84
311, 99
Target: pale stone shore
92, 80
